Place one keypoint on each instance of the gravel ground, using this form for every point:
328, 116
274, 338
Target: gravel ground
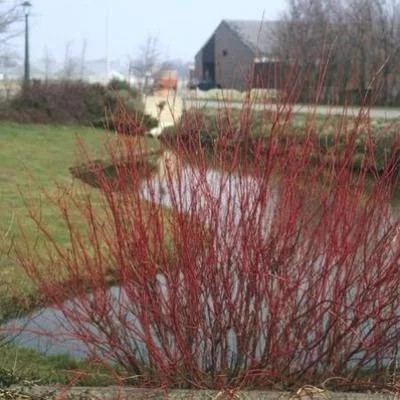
111, 393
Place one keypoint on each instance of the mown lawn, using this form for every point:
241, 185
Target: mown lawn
19, 365
36, 159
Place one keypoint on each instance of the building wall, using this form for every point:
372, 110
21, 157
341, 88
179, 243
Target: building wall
209, 60
205, 61
198, 65
234, 60
209, 51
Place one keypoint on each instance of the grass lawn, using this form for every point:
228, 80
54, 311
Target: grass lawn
35, 158
18, 364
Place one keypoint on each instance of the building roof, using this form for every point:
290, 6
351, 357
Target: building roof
258, 35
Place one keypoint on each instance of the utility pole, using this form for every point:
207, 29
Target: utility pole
27, 6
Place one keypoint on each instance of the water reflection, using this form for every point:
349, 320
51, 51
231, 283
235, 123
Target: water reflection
222, 201
184, 187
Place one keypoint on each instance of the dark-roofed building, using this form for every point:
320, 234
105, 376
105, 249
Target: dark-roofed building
240, 54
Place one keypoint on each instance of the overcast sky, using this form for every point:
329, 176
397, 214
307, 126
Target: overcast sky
182, 26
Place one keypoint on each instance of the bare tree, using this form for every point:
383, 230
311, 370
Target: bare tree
351, 45
83, 59
149, 64
8, 59
307, 23
307, 36
10, 15
148, 58
48, 63
360, 20
385, 50
71, 64
374, 33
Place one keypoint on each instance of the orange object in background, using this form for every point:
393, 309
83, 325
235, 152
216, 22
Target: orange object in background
167, 80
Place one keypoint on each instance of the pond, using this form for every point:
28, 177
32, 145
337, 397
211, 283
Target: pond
48, 330
236, 197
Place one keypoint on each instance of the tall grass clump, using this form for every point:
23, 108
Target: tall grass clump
236, 263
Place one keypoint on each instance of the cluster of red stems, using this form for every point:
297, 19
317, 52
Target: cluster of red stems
240, 263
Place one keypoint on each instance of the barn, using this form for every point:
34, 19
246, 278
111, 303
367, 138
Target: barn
241, 54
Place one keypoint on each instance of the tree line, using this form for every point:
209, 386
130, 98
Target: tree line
345, 50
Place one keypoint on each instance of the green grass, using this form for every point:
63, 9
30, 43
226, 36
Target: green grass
21, 364
34, 159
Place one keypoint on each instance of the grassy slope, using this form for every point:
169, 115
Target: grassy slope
34, 158
25, 364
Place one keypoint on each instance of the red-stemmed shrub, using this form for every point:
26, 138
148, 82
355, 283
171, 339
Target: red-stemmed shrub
240, 263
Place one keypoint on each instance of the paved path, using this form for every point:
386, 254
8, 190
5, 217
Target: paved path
129, 393
170, 114
384, 113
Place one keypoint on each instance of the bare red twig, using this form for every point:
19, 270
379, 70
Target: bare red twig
243, 261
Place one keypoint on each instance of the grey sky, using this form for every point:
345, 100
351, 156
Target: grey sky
182, 26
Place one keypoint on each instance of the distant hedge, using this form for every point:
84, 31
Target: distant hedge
80, 103
197, 127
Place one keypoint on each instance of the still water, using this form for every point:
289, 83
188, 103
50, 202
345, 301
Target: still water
173, 185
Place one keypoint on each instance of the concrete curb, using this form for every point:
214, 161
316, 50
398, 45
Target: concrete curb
114, 392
